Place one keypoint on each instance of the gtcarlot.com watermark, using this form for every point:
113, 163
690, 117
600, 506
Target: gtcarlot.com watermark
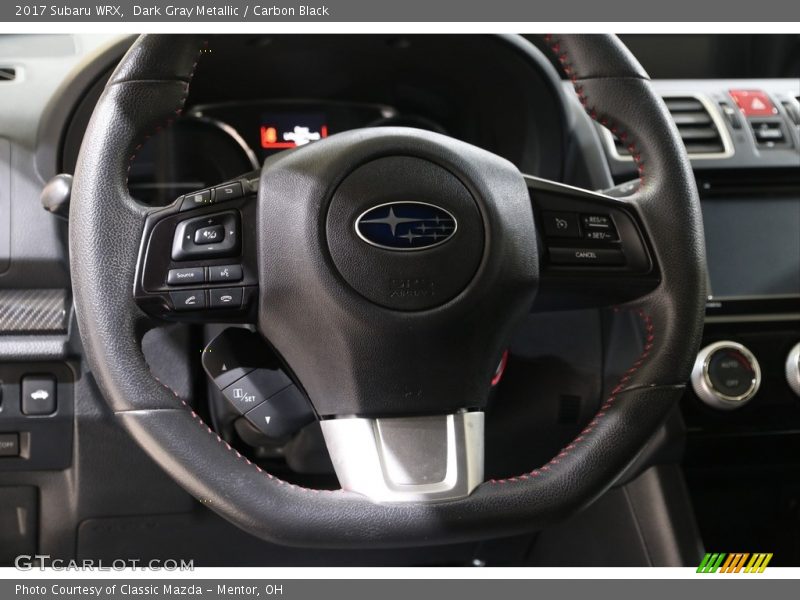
42, 562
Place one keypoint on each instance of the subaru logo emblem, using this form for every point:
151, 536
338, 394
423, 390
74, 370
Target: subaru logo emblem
406, 226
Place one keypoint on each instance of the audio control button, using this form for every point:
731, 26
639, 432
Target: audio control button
186, 276
208, 236
213, 234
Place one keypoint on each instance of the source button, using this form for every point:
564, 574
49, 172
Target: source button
186, 276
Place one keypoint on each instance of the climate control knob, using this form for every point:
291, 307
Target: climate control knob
793, 369
726, 375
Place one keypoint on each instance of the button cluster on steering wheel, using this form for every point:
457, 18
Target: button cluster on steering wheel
197, 260
250, 376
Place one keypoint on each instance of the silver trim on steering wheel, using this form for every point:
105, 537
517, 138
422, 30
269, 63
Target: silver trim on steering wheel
408, 459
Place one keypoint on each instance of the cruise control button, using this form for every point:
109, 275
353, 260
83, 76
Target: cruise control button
597, 222
283, 414
226, 298
38, 395
255, 387
229, 191
599, 228
191, 300
587, 256
196, 200
601, 235
561, 224
186, 276
225, 273
209, 235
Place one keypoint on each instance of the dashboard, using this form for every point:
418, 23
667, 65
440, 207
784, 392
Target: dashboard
315, 86
255, 96
258, 95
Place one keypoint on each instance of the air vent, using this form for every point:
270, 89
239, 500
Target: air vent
7, 74
702, 133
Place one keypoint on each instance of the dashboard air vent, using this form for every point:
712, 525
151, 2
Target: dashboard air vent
7, 74
699, 130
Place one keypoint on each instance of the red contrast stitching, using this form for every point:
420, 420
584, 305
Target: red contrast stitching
174, 115
621, 385
624, 137
230, 448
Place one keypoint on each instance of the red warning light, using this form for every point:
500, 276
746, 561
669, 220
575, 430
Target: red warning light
753, 103
269, 138
269, 135
298, 135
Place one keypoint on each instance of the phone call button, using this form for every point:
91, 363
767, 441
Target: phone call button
226, 298
188, 300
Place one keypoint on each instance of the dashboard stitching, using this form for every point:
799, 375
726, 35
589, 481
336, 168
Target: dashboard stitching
171, 119
198, 419
607, 405
566, 64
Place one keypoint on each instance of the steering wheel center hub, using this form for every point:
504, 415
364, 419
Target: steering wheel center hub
393, 264
405, 233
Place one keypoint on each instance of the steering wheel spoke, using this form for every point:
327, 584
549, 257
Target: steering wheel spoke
408, 459
197, 260
594, 248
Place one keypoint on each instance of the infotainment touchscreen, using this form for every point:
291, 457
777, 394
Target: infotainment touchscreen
753, 247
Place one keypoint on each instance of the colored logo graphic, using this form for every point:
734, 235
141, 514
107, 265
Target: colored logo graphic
734, 563
406, 226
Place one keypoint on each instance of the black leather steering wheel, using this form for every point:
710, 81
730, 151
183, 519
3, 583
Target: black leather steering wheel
396, 349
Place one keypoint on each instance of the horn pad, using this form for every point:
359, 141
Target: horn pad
405, 233
376, 315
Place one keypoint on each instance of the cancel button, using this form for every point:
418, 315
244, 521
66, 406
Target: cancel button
587, 256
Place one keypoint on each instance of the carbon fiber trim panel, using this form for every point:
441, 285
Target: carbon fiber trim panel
33, 311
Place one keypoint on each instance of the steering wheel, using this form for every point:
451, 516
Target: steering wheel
392, 329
